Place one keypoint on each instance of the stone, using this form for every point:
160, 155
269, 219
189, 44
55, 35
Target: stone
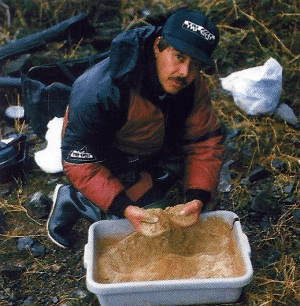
7, 191
297, 215
55, 299
11, 272
289, 188
258, 174
225, 178
279, 165
38, 249
262, 202
25, 243
38, 205
286, 113
28, 301
79, 293
32, 245
56, 268
245, 181
232, 133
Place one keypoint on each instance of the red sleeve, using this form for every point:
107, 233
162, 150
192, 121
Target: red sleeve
204, 149
105, 191
95, 182
204, 164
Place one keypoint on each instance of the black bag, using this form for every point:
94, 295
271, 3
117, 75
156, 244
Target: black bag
46, 90
73, 28
13, 157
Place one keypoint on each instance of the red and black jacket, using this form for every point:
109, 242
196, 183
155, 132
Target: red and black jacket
118, 106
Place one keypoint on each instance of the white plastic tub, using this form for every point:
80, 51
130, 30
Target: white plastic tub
165, 292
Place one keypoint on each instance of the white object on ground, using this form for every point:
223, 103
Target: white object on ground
49, 159
225, 179
256, 90
15, 112
287, 114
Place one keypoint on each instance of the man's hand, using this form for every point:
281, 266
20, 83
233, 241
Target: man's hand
188, 214
194, 207
137, 215
182, 215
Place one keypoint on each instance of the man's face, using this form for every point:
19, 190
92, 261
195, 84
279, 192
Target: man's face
175, 69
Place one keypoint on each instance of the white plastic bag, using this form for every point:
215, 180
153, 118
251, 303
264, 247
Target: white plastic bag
49, 159
256, 90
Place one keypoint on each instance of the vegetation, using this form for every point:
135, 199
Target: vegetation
251, 32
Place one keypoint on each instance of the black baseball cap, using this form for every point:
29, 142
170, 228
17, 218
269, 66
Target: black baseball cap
192, 33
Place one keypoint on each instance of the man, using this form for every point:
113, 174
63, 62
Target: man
136, 123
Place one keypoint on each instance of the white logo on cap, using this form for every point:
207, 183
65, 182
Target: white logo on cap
199, 30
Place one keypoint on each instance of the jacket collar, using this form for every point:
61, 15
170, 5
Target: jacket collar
151, 87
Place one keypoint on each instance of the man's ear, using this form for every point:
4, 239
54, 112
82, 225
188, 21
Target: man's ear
155, 46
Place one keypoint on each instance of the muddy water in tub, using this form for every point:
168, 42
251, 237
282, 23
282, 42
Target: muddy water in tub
207, 249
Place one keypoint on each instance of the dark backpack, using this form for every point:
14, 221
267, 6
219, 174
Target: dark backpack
46, 89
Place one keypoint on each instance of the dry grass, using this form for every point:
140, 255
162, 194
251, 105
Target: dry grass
278, 283
251, 32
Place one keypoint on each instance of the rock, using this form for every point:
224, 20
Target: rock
230, 143
297, 215
245, 181
146, 11
79, 293
38, 205
25, 243
258, 174
55, 300
279, 165
38, 249
263, 202
53, 180
32, 245
14, 297
273, 257
7, 191
232, 133
265, 224
286, 113
28, 301
11, 272
247, 151
290, 200
232, 148
225, 178
289, 188
56, 268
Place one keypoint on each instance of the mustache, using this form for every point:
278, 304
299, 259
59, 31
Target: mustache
179, 79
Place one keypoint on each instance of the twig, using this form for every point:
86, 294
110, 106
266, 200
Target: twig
235, 9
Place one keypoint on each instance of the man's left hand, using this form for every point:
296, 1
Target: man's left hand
188, 215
